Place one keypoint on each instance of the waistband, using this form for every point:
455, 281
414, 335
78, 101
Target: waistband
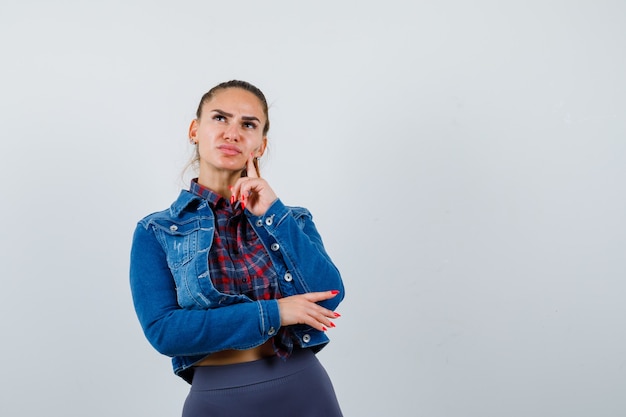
248, 373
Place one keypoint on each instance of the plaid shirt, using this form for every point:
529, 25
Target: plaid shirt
238, 261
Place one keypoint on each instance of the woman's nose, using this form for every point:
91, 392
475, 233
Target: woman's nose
232, 132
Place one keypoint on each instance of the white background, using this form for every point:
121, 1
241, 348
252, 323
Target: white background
465, 163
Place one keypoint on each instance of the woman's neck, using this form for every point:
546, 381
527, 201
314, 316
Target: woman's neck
219, 182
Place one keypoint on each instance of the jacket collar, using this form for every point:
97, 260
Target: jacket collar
182, 202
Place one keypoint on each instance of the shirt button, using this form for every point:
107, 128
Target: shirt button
275, 247
288, 277
306, 338
269, 220
259, 222
173, 228
271, 331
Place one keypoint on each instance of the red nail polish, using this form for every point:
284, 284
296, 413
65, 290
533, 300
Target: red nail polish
332, 324
324, 328
337, 314
333, 292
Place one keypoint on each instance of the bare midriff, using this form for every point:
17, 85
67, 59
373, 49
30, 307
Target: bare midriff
229, 357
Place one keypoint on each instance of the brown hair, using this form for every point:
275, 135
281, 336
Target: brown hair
244, 85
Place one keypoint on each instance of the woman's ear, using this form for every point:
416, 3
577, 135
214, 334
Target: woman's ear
193, 131
261, 149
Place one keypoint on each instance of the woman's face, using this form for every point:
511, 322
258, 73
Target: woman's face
229, 130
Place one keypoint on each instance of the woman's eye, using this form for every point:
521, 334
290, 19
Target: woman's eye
249, 125
219, 118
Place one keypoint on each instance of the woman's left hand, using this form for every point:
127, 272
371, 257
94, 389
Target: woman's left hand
252, 191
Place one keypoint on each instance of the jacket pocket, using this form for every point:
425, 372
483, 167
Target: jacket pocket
180, 240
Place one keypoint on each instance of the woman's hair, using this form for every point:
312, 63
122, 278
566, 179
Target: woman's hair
244, 85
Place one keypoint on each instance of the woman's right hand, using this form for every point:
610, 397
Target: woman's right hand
303, 309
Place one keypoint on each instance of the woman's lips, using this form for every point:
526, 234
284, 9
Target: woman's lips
229, 149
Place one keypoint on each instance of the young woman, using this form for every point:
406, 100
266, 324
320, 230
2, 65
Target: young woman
232, 284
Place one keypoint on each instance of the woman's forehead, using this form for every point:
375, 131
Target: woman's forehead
236, 98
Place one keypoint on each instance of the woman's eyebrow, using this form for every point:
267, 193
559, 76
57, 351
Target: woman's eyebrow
226, 114
222, 112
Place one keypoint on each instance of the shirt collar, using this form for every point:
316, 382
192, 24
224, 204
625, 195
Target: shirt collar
198, 193
205, 193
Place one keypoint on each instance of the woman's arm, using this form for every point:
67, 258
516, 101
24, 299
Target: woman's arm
302, 249
295, 234
174, 331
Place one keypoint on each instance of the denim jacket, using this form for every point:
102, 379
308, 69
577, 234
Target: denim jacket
183, 316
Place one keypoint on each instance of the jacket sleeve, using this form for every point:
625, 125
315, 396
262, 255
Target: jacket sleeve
301, 247
174, 331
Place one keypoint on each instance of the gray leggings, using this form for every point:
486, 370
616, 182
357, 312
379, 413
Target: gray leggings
269, 387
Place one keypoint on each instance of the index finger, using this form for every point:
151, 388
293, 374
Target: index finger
251, 167
320, 296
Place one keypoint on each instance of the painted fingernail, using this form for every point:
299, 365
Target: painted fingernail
332, 324
337, 314
333, 292
324, 328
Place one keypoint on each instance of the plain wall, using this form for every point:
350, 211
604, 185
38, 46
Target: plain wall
465, 163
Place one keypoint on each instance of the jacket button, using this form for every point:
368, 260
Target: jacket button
275, 247
288, 277
271, 331
306, 338
269, 220
173, 228
259, 222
